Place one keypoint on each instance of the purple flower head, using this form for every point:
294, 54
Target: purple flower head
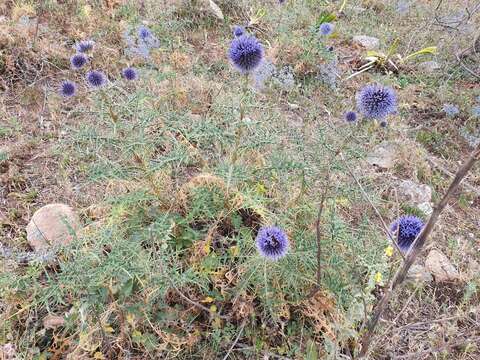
246, 53
376, 101
351, 116
78, 60
130, 74
238, 31
384, 123
96, 79
68, 89
84, 46
326, 29
144, 33
450, 110
406, 229
272, 242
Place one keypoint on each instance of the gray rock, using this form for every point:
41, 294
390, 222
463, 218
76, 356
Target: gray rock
368, 42
383, 155
414, 193
441, 267
52, 225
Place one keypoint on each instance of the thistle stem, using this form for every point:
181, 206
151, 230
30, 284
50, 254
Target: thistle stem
239, 131
111, 113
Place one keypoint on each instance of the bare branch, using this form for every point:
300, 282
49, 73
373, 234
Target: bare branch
415, 251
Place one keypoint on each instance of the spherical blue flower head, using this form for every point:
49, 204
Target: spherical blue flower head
376, 101
384, 123
406, 229
144, 32
238, 31
96, 79
78, 60
130, 74
246, 53
84, 46
450, 110
272, 242
68, 89
326, 29
351, 116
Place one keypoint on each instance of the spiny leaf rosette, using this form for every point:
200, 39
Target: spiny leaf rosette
272, 242
405, 230
246, 53
376, 101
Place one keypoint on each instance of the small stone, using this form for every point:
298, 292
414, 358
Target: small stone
428, 66
52, 225
412, 192
441, 267
418, 273
368, 42
53, 321
383, 155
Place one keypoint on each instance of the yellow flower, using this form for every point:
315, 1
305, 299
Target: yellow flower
378, 277
389, 251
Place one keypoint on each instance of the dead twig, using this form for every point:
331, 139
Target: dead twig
415, 251
235, 341
443, 169
448, 346
318, 236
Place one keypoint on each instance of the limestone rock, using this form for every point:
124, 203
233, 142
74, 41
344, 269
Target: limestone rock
52, 225
414, 193
441, 267
368, 42
383, 155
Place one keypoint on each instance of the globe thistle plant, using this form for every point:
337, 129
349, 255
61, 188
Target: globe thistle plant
78, 60
68, 89
351, 116
376, 101
450, 110
272, 242
84, 46
130, 74
246, 53
96, 79
144, 33
405, 230
326, 29
146, 41
238, 31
